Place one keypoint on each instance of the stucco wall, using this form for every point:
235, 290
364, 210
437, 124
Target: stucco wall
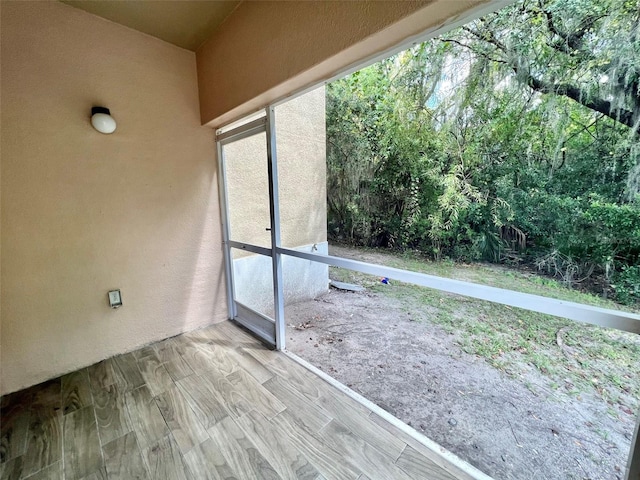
302, 169
83, 212
248, 190
266, 50
301, 149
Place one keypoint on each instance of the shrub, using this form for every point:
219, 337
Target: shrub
626, 283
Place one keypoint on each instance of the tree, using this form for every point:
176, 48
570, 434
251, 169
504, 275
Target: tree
588, 51
496, 141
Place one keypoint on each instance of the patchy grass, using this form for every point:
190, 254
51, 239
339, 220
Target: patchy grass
575, 358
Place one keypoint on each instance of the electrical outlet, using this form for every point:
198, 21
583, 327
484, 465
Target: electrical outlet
115, 299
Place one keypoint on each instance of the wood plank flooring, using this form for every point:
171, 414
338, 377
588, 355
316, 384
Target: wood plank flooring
209, 404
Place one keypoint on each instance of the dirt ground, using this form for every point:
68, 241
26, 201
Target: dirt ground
417, 371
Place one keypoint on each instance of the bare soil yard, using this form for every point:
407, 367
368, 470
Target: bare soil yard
517, 394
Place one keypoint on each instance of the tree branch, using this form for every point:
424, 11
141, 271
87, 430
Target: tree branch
580, 95
562, 46
626, 117
468, 47
573, 42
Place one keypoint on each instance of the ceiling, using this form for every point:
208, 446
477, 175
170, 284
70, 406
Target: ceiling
185, 23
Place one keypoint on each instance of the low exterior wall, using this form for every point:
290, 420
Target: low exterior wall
303, 279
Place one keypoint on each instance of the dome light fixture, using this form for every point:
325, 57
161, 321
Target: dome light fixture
102, 120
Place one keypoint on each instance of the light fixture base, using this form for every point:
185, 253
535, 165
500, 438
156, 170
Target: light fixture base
104, 110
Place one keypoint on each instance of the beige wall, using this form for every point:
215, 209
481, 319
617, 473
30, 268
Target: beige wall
302, 169
301, 148
267, 50
248, 190
83, 212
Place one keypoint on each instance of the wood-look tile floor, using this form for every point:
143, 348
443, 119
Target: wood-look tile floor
208, 404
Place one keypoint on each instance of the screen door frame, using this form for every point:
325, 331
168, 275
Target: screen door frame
270, 330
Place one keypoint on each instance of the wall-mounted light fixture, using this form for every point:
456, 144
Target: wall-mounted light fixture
102, 120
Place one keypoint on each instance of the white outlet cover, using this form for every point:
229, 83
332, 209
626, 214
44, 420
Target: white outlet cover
115, 299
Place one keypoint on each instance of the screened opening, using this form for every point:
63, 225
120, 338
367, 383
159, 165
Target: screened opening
458, 237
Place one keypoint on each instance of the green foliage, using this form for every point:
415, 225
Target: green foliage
609, 232
476, 146
378, 183
627, 284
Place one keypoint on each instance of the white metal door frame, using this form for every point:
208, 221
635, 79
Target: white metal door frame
270, 330
274, 213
